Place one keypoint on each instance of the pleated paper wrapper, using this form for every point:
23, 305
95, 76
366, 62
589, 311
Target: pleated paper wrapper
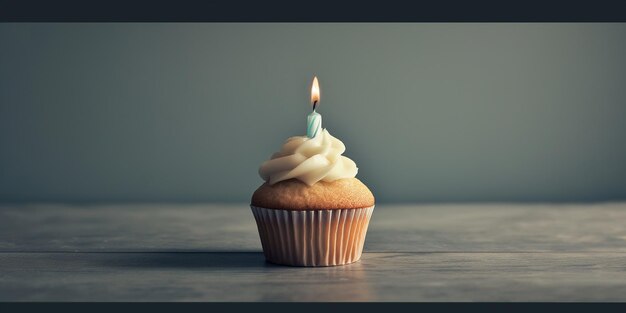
312, 237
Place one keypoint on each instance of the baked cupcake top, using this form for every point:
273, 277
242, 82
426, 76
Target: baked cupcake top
292, 194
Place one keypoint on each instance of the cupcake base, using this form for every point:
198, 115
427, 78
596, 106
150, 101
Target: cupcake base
312, 237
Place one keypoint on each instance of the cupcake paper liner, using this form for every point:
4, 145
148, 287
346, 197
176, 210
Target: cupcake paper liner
312, 237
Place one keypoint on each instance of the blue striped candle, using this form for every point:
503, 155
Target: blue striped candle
314, 124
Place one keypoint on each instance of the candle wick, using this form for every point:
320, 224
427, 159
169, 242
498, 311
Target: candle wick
314, 105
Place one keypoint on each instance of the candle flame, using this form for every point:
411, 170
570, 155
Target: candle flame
315, 93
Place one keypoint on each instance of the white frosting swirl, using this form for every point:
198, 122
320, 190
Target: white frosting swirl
309, 160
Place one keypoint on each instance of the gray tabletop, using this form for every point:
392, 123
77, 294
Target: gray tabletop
211, 252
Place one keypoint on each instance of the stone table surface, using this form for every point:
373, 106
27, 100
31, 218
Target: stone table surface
212, 252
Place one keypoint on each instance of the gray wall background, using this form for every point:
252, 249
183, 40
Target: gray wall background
429, 112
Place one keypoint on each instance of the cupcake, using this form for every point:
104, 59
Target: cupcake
311, 210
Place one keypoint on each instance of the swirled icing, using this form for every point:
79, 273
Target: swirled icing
309, 160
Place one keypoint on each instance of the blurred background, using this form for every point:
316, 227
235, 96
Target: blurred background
429, 112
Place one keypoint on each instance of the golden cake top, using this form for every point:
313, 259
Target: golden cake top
293, 194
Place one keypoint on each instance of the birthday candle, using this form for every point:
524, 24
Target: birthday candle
314, 120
